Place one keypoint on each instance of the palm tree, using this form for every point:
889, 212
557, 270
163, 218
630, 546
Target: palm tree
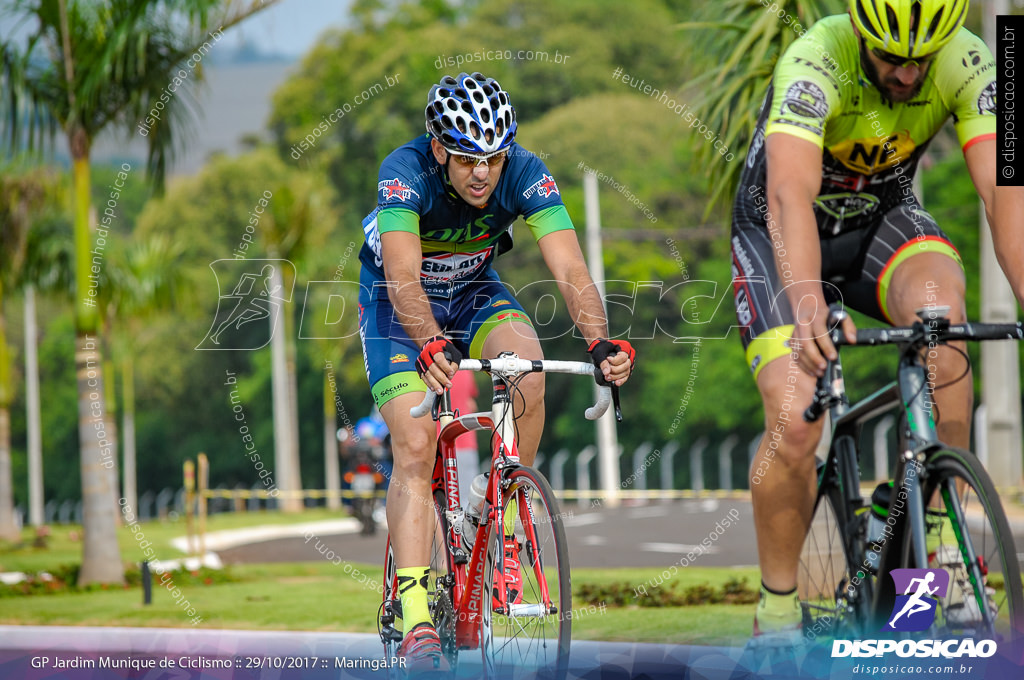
145, 281
88, 67
25, 193
741, 41
48, 270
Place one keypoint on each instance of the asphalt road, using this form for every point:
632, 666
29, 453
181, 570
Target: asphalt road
656, 534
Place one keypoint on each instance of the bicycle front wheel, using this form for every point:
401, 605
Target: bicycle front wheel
984, 595
833, 581
528, 632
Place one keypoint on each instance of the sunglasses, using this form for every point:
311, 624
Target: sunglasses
897, 60
472, 161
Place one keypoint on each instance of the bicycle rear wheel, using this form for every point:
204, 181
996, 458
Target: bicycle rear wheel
833, 584
529, 637
439, 593
992, 580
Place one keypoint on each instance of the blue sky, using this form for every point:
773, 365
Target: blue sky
290, 27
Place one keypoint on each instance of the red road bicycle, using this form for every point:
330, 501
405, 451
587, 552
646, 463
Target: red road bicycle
468, 600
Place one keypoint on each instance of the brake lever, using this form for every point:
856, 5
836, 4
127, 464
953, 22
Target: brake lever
615, 403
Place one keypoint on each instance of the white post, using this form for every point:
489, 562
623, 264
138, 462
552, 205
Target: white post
668, 453
35, 438
639, 470
607, 438
583, 470
558, 470
725, 462
697, 464
1000, 372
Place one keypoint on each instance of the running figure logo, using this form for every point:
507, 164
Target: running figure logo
914, 609
255, 297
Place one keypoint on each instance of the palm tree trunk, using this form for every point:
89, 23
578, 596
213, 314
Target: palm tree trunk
8, 528
283, 450
294, 472
36, 499
128, 397
331, 469
101, 555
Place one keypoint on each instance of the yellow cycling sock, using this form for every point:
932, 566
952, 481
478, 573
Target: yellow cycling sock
776, 611
511, 512
412, 587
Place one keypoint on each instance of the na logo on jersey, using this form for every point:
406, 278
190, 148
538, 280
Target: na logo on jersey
919, 589
544, 187
394, 187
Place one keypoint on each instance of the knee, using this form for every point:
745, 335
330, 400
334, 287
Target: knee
532, 389
792, 442
414, 454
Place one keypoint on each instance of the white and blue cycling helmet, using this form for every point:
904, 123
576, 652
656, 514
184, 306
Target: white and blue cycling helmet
471, 114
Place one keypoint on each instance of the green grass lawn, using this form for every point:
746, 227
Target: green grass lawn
321, 596
65, 546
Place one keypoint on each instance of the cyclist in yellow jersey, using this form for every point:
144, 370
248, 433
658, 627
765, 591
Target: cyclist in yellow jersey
825, 212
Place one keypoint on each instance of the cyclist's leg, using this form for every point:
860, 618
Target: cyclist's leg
497, 323
782, 473
390, 358
922, 269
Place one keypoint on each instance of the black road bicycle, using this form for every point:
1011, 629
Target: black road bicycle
844, 579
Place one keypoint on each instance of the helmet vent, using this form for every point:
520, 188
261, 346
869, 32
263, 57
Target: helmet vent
864, 22
936, 22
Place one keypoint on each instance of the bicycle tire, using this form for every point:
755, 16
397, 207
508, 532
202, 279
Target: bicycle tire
529, 640
833, 584
991, 540
439, 596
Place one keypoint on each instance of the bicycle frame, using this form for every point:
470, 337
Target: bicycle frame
918, 439
468, 586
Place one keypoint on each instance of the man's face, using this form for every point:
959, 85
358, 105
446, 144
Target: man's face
896, 83
473, 182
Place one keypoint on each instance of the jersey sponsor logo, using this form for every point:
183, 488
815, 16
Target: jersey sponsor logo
805, 100
987, 67
819, 69
755, 146
847, 205
974, 56
400, 358
474, 231
499, 303
869, 155
393, 388
450, 266
744, 312
987, 99
390, 188
543, 187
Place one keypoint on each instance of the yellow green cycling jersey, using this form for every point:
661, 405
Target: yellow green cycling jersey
870, 145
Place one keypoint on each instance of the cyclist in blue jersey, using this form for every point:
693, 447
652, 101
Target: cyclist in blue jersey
429, 296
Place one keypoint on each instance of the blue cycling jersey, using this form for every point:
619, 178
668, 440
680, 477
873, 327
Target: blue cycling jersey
459, 241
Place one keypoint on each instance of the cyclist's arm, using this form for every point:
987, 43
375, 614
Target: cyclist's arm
562, 254
793, 182
1004, 207
403, 257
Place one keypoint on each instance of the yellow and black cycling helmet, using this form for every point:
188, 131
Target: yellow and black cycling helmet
908, 28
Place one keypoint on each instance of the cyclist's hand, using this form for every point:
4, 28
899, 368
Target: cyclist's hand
615, 359
437, 363
813, 345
